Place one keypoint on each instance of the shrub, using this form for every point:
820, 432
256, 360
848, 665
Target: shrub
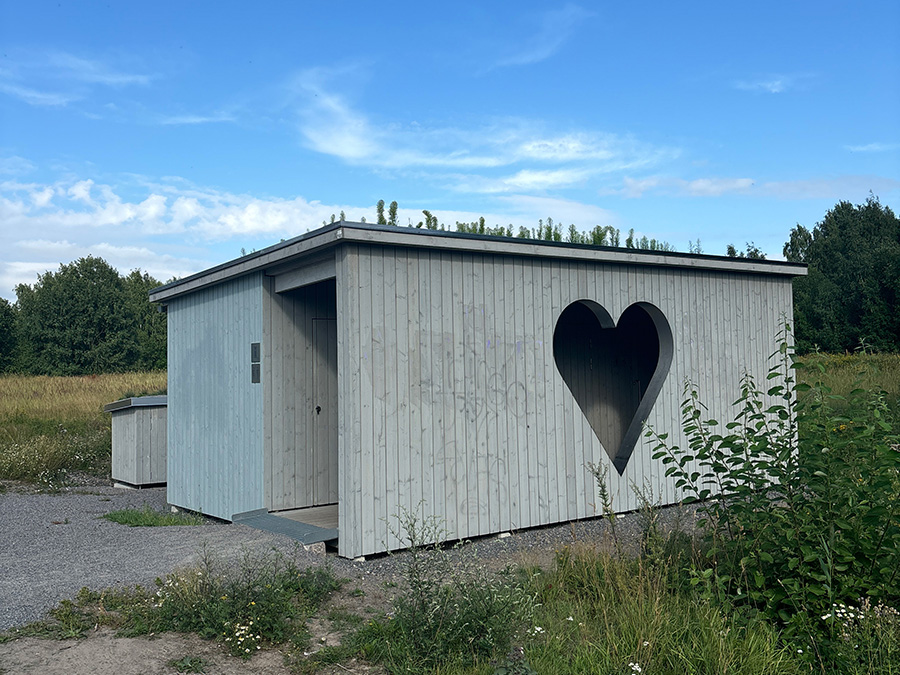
800, 499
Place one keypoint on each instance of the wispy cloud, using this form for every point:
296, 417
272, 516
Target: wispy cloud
873, 147
56, 78
841, 187
196, 119
90, 71
15, 165
774, 83
553, 30
698, 187
714, 187
501, 155
35, 97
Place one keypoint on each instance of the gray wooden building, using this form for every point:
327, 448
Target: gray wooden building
368, 370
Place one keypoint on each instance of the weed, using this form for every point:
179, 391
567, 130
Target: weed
600, 472
265, 599
190, 664
342, 620
148, 517
449, 611
598, 613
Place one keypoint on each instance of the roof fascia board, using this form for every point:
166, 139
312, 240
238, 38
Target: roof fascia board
361, 233
252, 263
506, 246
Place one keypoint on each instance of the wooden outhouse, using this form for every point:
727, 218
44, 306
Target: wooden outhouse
370, 370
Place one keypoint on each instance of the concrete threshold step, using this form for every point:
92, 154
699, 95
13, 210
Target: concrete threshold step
261, 519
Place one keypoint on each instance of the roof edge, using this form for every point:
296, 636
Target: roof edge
388, 235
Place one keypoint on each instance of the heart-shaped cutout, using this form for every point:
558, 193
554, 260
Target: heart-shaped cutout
614, 371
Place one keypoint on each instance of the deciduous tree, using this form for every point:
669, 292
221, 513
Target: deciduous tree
851, 297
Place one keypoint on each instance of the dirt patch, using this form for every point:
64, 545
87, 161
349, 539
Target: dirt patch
102, 653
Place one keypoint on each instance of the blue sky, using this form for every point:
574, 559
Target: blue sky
167, 136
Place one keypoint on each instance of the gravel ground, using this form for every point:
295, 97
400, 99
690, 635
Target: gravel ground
51, 545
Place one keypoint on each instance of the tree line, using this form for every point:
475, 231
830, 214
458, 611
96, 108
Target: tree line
86, 318
83, 319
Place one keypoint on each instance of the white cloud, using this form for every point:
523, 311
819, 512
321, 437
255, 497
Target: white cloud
840, 187
14, 273
554, 28
201, 214
698, 187
13, 165
873, 147
530, 208
635, 187
35, 97
329, 124
774, 84
173, 120
714, 187
91, 71
162, 266
526, 179
56, 78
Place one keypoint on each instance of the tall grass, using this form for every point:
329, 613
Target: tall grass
844, 372
50, 426
599, 613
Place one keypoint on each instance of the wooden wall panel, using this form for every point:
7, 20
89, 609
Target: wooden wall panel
215, 413
457, 409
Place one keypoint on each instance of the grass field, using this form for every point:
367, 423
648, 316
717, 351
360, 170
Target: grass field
50, 426
845, 372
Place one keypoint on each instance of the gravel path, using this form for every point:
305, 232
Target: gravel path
51, 545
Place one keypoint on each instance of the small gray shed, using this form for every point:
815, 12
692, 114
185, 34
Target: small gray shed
139, 428
369, 369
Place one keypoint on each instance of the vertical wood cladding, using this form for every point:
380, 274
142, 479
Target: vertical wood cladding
215, 412
451, 403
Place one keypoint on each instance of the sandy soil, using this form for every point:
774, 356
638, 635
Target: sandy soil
102, 653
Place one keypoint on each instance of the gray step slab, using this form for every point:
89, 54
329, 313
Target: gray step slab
261, 519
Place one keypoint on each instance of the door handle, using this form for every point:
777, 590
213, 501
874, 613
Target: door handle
318, 409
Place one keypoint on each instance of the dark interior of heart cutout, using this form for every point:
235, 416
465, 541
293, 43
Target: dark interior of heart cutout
615, 372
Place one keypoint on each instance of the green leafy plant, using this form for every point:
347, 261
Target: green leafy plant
800, 504
190, 664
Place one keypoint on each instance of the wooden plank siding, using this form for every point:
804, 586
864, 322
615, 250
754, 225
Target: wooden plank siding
301, 459
451, 403
139, 445
215, 413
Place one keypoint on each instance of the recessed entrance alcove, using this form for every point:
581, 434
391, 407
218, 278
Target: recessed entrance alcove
614, 371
